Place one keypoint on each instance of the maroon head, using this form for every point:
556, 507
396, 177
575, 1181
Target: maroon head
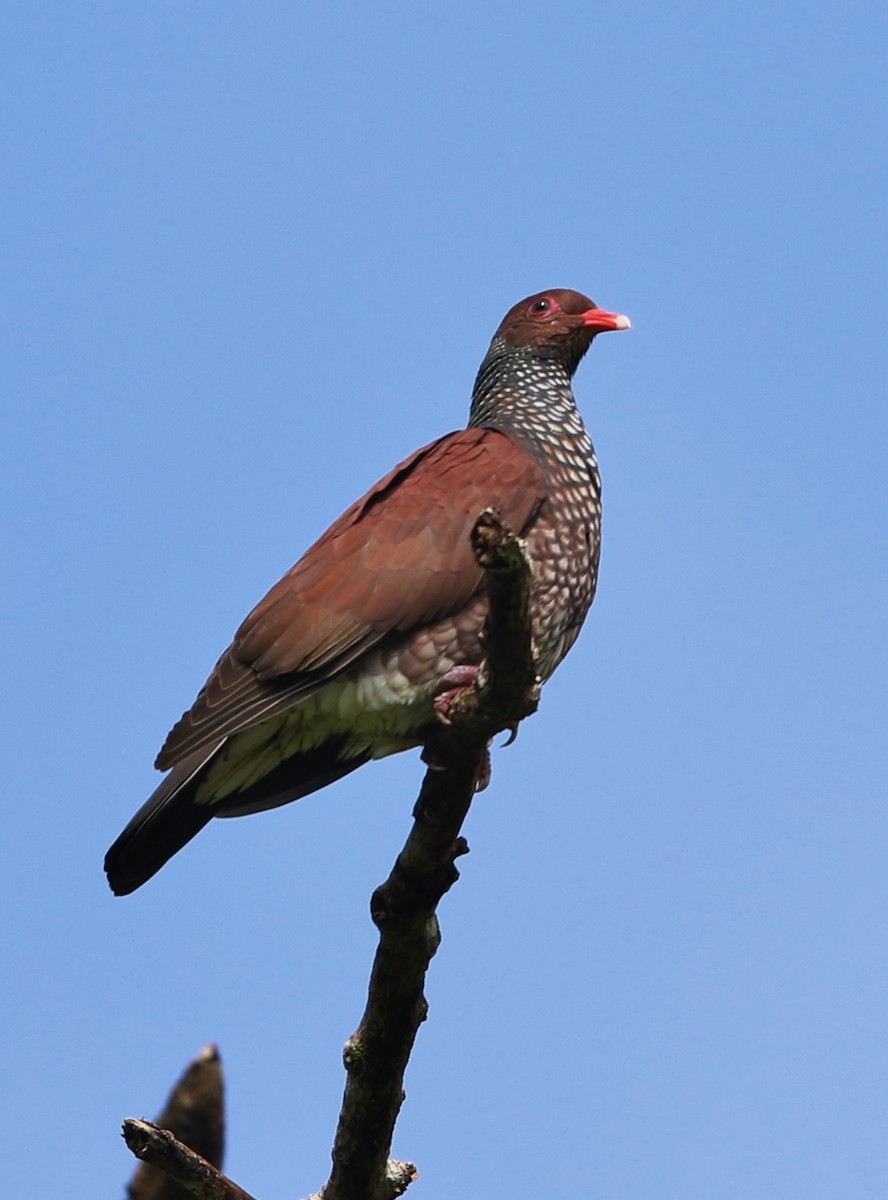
558, 324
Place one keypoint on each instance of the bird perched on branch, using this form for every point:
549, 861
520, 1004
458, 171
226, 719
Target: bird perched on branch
354, 653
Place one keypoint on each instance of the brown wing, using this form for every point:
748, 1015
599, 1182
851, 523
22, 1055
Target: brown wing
396, 560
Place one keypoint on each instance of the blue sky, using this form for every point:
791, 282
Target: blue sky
252, 257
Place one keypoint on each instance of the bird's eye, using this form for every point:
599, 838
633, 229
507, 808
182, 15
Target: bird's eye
539, 308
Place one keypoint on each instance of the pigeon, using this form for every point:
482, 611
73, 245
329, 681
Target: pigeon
347, 658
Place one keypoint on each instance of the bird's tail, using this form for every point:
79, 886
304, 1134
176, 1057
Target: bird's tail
167, 821
171, 816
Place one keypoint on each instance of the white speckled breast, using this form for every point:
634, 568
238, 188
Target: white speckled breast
530, 399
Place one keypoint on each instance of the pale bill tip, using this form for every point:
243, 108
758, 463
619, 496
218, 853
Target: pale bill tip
623, 322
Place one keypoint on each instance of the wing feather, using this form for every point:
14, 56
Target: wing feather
397, 559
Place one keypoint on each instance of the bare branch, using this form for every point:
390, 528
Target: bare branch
160, 1148
403, 908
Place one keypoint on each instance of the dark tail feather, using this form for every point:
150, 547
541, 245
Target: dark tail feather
170, 818
167, 821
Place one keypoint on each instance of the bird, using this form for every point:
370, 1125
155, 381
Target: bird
347, 657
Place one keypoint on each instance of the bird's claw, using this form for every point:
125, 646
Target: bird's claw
482, 779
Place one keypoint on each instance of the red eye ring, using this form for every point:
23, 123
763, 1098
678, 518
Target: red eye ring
541, 308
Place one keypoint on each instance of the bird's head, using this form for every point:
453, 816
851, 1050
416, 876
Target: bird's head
558, 324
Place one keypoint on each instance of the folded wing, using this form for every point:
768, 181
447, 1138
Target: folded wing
397, 560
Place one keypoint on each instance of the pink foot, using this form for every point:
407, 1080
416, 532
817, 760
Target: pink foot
455, 681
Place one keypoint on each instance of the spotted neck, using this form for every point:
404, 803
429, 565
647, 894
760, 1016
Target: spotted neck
526, 396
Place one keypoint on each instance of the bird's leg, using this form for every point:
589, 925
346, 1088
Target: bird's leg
456, 680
